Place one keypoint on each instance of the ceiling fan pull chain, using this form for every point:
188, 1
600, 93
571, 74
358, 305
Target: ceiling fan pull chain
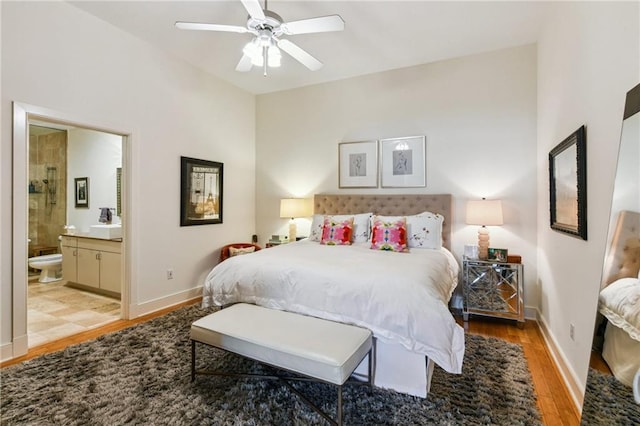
264, 59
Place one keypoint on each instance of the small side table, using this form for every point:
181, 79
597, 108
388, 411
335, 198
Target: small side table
494, 289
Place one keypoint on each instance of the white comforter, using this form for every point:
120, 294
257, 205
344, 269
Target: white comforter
620, 303
401, 297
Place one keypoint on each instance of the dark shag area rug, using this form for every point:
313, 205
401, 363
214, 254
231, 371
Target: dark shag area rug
607, 402
140, 376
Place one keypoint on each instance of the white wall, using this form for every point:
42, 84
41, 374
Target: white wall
58, 57
588, 58
478, 114
95, 155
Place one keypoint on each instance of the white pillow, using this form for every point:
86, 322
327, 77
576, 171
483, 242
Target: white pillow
361, 226
620, 303
424, 230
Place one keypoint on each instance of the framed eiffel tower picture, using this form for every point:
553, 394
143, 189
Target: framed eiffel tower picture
200, 192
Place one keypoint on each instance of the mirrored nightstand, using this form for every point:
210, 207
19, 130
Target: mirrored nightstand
493, 289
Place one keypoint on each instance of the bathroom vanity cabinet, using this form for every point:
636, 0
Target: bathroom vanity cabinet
92, 263
69, 264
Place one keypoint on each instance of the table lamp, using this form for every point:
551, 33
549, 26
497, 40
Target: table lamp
293, 208
484, 213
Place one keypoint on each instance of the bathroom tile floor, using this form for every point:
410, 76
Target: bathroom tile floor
55, 311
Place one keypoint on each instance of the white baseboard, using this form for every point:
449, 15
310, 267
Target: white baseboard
145, 308
19, 347
6, 351
531, 313
575, 386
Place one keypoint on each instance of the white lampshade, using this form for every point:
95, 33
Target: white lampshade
484, 212
292, 208
295, 207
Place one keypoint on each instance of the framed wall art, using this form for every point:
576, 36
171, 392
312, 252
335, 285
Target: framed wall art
403, 162
82, 192
568, 185
358, 164
200, 191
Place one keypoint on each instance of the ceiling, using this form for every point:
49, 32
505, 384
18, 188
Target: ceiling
378, 35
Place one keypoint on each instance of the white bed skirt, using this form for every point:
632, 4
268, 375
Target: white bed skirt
399, 369
622, 354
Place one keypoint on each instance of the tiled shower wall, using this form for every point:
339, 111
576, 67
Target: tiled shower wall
47, 189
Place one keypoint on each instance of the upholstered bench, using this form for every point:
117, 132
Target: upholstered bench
317, 349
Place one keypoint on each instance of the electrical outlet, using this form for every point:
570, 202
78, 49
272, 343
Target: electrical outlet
169, 274
572, 330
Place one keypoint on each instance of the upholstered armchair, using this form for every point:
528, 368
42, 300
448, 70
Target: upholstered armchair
225, 252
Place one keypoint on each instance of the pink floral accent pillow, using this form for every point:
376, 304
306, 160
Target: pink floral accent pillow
389, 235
337, 232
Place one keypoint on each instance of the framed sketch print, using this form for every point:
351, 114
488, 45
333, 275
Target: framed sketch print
403, 162
568, 185
82, 192
200, 192
358, 164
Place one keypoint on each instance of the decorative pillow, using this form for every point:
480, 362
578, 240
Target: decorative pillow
361, 226
236, 251
317, 223
337, 233
389, 235
424, 230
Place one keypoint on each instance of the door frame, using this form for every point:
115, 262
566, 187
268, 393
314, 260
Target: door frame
22, 113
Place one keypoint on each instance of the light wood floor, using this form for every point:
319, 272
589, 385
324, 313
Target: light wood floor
554, 401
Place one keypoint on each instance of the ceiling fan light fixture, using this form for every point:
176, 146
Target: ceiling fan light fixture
252, 49
274, 57
257, 60
264, 38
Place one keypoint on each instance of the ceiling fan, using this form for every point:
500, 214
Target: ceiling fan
268, 28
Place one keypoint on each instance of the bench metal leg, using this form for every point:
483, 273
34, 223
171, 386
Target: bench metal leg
193, 360
372, 365
285, 380
339, 410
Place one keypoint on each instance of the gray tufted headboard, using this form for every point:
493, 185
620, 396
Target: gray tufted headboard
388, 205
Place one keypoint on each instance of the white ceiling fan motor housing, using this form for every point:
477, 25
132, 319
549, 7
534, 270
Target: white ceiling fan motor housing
271, 23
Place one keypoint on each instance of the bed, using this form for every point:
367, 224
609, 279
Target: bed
619, 300
402, 297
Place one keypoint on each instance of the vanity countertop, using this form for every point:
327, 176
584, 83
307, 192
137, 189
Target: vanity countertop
87, 236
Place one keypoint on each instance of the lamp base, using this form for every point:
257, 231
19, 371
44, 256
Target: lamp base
483, 243
292, 230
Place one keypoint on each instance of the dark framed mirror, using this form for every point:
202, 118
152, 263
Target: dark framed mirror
568, 185
615, 357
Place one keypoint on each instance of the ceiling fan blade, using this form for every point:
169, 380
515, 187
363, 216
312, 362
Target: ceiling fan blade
300, 55
254, 9
245, 64
211, 27
322, 24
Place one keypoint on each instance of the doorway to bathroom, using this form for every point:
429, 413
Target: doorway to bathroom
74, 186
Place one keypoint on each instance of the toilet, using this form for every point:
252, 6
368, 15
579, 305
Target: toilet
51, 266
